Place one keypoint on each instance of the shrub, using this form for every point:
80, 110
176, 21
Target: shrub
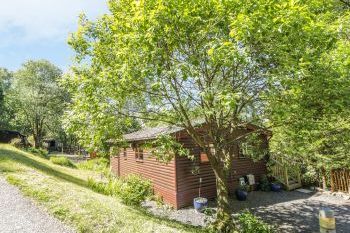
63, 161
248, 223
264, 183
17, 142
309, 176
98, 164
99, 187
39, 152
132, 190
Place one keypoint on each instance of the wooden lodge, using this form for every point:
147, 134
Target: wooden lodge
175, 181
7, 135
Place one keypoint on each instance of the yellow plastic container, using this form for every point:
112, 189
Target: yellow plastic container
327, 221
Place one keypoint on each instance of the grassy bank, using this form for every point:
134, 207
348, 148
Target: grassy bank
63, 192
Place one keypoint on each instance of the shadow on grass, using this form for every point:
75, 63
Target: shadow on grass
18, 157
25, 160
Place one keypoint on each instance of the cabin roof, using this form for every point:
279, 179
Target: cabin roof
151, 133
5, 131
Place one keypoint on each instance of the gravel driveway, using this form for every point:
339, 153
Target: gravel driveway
289, 211
18, 214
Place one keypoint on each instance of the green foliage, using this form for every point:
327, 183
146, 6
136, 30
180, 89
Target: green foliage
135, 190
38, 151
64, 194
282, 63
36, 99
311, 113
310, 176
5, 110
62, 161
264, 183
132, 190
165, 147
99, 187
97, 164
248, 223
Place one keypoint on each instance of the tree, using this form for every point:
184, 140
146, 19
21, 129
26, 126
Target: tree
5, 83
36, 98
177, 61
89, 117
313, 109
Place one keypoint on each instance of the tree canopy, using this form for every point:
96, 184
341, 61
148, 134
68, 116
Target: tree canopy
5, 83
228, 63
311, 113
36, 99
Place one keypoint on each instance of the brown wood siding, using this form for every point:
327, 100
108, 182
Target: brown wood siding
175, 181
188, 183
162, 175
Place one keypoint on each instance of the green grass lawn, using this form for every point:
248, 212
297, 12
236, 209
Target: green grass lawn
63, 192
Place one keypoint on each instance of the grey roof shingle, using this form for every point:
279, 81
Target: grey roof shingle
151, 133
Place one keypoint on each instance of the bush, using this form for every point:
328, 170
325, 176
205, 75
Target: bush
17, 142
39, 152
264, 183
132, 190
63, 161
99, 187
248, 223
111, 188
309, 176
135, 190
98, 164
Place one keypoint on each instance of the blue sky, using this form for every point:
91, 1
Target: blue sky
38, 29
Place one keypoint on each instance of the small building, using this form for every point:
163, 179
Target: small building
50, 144
7, 135
175, 181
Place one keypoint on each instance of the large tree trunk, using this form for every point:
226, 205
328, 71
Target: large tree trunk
37, 141
223, 221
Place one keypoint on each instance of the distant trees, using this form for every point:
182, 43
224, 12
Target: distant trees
36, 99
5, 83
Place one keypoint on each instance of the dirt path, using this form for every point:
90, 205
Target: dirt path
20, 215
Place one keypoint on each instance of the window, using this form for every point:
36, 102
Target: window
138, 153
212, 149
204, 157
125, 155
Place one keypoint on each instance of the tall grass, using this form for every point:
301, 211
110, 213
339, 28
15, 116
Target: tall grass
98, 164
132, 190
62, 161
65, 193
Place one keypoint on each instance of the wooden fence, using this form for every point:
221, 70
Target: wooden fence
340, 180
286, 174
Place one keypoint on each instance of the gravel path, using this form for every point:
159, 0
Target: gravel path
20, 215
289, 211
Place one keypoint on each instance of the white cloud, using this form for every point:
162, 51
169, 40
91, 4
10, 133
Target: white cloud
23, 21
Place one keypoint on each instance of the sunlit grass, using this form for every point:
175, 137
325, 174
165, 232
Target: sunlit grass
64, 192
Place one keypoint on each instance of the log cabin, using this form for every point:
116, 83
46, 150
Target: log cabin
175, 181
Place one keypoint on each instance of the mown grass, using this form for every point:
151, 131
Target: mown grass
64, 192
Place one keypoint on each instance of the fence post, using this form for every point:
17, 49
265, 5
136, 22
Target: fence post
286, 177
